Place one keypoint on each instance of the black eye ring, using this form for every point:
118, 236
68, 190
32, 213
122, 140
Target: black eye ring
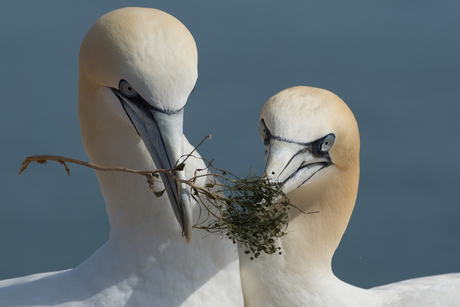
127, 89
326, 143
264, 132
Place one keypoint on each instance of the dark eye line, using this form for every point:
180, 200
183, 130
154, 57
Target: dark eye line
267, 134
142, 103
315, 143
314, 147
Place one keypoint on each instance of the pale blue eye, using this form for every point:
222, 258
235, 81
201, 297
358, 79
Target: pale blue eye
127, 89
327, 143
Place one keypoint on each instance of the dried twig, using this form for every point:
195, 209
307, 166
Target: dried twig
43, 159
251, 212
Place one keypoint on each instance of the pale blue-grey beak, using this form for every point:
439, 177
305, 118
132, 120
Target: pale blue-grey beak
162, 133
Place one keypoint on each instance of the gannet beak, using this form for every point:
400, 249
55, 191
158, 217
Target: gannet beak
292, 164
162, 133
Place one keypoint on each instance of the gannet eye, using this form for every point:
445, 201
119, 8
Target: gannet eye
263, 131
127, 89
326, 143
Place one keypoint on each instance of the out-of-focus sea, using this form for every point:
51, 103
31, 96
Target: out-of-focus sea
396, 64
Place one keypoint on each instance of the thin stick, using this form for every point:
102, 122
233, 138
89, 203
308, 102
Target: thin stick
42, 159
194, 149
241, 221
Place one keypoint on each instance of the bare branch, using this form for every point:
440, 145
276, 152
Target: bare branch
250, 212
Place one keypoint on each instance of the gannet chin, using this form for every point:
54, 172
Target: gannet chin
137, 69
312, 147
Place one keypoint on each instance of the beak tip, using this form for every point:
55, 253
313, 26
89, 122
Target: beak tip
187, 218
187, 231
188, 236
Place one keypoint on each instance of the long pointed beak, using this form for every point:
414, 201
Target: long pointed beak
162, 134
291, 164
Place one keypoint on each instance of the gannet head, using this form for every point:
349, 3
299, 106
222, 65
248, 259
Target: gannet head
142, 63
309, 133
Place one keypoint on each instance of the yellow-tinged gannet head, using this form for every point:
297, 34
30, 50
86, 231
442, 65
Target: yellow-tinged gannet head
145, 61
308, 133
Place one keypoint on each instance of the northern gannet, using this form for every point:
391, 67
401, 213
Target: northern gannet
137, 68
312, 146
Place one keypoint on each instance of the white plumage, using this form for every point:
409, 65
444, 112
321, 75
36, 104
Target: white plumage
137, 69
312, 147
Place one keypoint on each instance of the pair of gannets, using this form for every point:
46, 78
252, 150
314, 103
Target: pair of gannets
137, 68
312, 147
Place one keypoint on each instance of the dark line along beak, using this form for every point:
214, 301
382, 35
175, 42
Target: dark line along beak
292, 164
162, 133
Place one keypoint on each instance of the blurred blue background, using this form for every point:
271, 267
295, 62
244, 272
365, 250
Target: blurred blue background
395, 63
